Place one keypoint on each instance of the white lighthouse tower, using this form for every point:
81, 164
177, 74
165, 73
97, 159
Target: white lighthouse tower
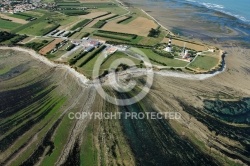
169, 47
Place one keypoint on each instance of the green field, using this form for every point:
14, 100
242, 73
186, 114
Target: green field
116, 56
40, 26
204, 62
38, 29
156, 57
88, 154
113, 9
87, 69
8, 25
38, 43
117, 36
74, 12
113, 36
4, 70
99, 24
88, 5
81, 24
24, 17
35, 13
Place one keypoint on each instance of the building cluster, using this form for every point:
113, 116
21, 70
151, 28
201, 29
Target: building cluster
8, 6
184, 53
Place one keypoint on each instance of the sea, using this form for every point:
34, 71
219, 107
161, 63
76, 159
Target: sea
221, 21
237, 8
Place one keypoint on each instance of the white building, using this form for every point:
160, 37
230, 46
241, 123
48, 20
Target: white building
169, 47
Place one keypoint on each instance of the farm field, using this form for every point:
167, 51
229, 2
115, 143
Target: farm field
109, 16
39, 29
155, 57
140, 26
80, 24
113, 9
19, 16
13, 19
79, 35
87, 69
114, 35
72, 12
99, 24
94, 14
118, 19
16, 39
8, 25
180, 43
36, 13
50, 46
152, 40
128, 20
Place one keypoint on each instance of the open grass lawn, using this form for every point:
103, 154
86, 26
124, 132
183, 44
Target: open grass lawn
8, 25
151, 55
204, 62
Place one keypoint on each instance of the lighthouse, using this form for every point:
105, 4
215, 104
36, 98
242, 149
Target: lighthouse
169, 47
